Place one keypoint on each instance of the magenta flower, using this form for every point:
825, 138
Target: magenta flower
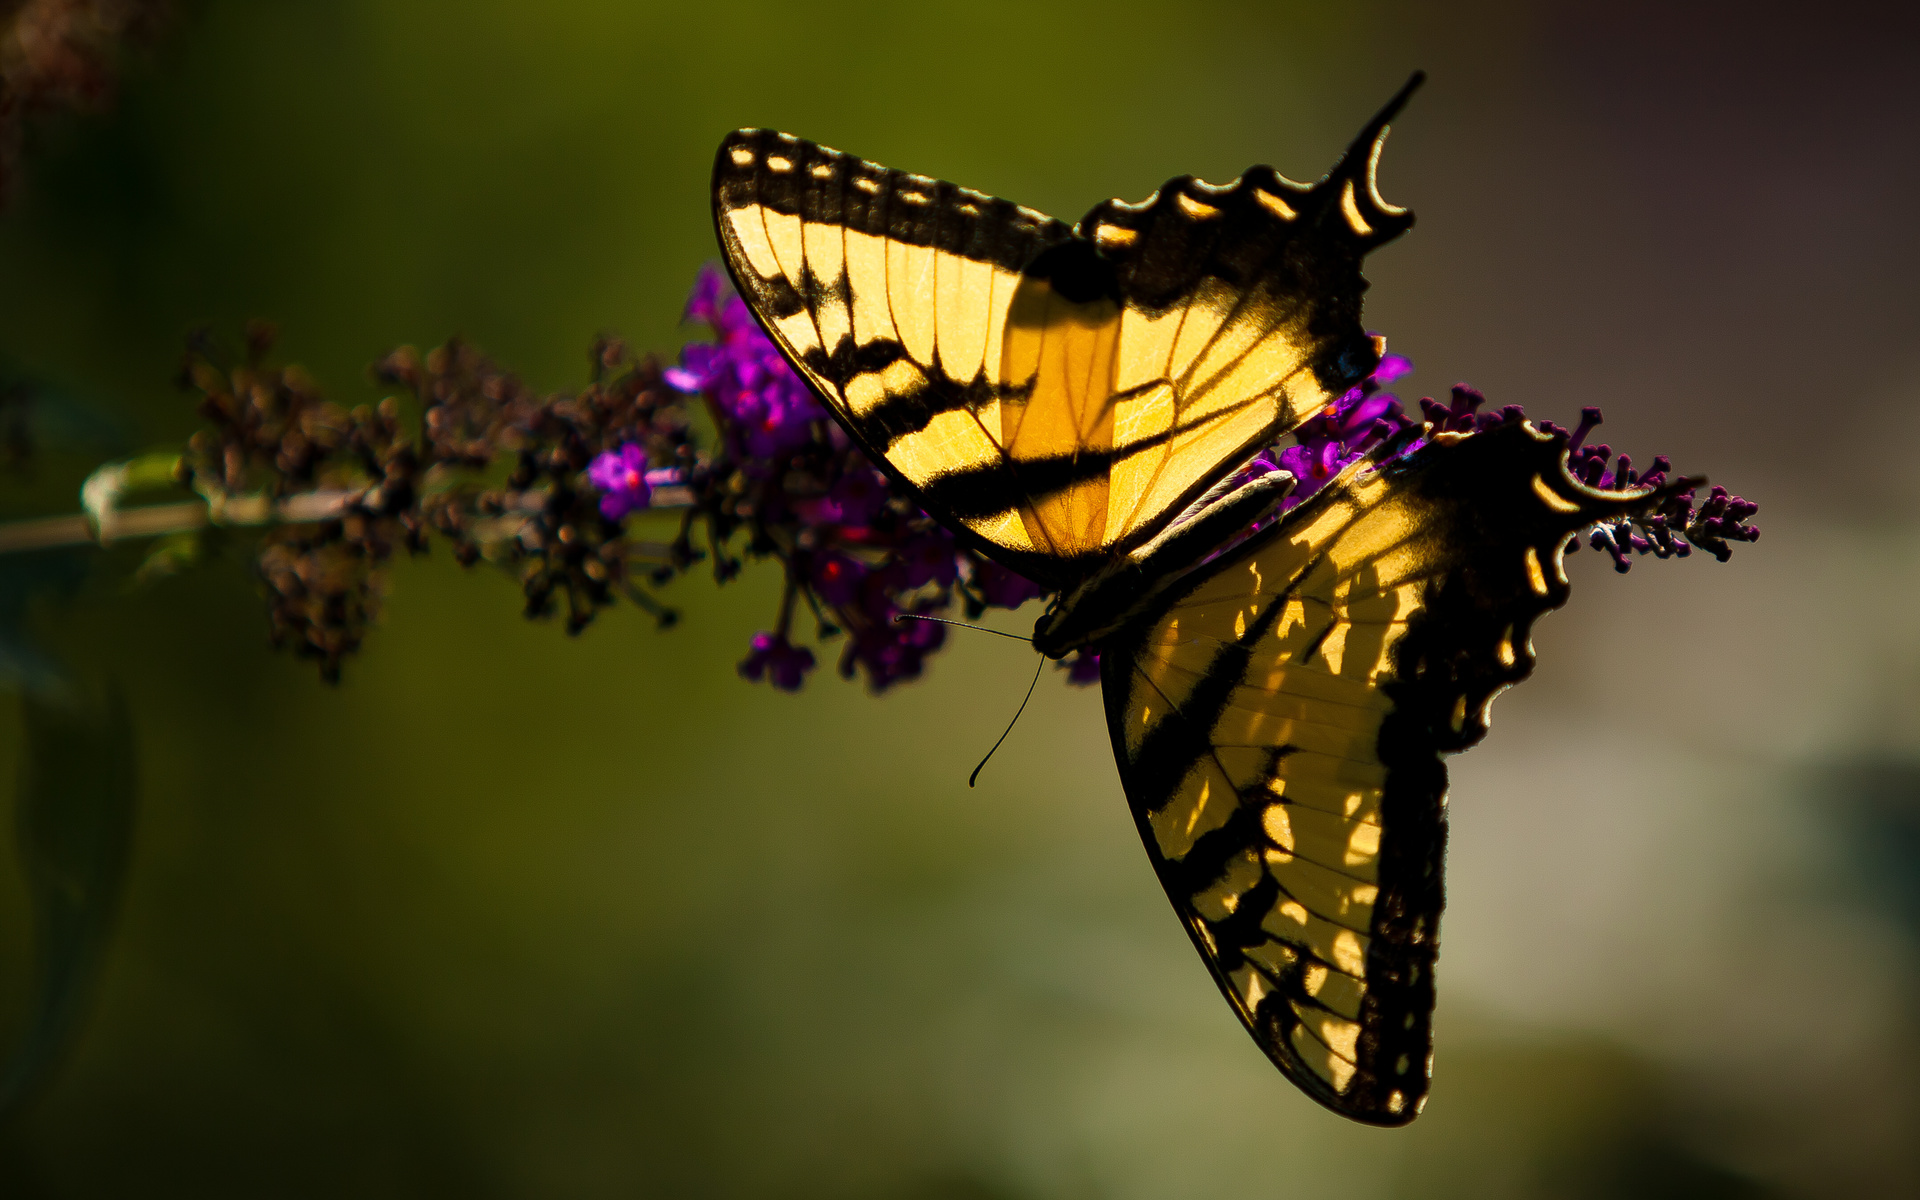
858, 497
621, 477
1341, 433
770, 411
891, 651
1083, 668
836, 577
1000, 588
782, 663
928, 558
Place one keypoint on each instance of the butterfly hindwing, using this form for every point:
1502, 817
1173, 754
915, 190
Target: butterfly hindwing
1279, 728
1058, 393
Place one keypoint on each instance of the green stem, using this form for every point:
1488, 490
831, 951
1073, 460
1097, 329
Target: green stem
103, 524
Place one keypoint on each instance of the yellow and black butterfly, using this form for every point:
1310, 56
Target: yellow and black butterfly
1072, 401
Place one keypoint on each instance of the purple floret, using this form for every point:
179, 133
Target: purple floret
1670, 530
621, 477
1340, 434
779, 661
1082, 667
892, 651
768, 410
1000, 588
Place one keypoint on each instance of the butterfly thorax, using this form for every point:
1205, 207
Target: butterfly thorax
1128, 587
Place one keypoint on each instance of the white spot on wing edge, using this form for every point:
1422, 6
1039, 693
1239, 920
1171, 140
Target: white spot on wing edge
1536, 578
1351, 210
1193, 208
1142, 206
1274, 204
1552, 499
1373, 175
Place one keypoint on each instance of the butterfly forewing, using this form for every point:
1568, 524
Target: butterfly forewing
1279, 727
1058, 393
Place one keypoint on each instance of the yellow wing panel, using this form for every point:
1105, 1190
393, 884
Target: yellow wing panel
1058, 396
1279, 724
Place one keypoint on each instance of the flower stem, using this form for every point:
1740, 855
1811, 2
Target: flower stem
108, 524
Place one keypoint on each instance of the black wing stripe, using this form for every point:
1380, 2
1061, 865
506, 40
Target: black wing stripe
989, 489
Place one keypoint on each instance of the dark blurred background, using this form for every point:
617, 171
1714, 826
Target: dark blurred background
511, 914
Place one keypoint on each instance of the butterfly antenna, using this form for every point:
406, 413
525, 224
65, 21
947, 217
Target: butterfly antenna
1012, 723
962, 625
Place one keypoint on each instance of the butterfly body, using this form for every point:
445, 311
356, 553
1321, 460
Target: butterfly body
1129, 588
1076, 403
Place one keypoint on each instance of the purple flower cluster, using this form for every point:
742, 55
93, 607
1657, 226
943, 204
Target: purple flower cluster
856, 551
1670, 531
1369, 423
621, 478
1676, 527
766, 410
779, 661
1341, 433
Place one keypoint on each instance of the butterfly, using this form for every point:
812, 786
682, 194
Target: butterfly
1076, 403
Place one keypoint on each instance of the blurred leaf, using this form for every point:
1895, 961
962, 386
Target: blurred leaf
74, 827
157, 469
25, 577
170, 555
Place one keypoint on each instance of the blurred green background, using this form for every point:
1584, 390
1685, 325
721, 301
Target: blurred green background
511, 914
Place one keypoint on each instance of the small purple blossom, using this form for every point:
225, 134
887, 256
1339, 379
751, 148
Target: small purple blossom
997, 587
1392, 367
621, 476
893, 651
851, 504
1082, 667
858, 497
836, 577
782, 663
768, 410
1341, 433
928, 558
